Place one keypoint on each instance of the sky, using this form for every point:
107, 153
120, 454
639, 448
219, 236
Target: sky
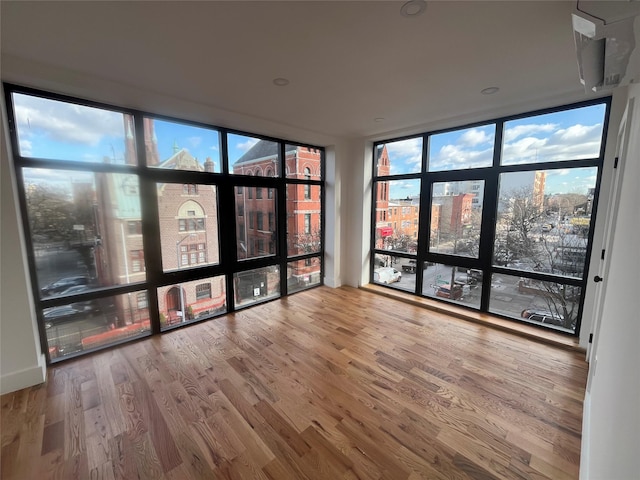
566, 135
58, 130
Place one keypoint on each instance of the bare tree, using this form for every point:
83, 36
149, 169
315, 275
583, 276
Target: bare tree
50, 213
524, 234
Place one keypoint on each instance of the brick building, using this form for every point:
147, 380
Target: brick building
383, 227
256, 210
188, 219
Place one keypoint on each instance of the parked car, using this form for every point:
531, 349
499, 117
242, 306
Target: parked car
63, 284
63, 314
409, 267
386, 275
446, 291
543, 317
86, 305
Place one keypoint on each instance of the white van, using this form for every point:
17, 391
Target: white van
386, 275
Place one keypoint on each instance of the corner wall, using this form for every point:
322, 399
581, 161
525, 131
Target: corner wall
22, 363
611, 421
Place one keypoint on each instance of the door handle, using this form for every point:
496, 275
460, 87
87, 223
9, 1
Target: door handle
597, 278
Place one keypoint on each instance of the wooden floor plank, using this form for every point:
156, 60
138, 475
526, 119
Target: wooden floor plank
326, 384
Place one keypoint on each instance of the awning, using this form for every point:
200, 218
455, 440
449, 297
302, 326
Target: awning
385, 231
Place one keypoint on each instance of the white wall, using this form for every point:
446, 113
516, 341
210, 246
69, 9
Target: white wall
611, 422
356, 213
21, 362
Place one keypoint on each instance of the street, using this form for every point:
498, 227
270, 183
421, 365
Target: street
505, 297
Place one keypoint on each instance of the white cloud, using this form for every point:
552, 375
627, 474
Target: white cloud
457, 157
245, 146
65, 122
577, 133
472, 149
572, 143
474, 137
511, 134
406, 152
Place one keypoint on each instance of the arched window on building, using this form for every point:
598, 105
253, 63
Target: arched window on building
258, 189
307, 188
191, 217
269, 190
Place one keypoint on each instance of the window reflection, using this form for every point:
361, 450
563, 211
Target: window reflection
59, 130
85, 228
253, 286
565, 135
394, 158
189, 232
302, 274
191, 301
88, 324
255, 225
462, 149
178, 146
304, 234
534, 301
456, 216
543, 222
252, 156
397, 215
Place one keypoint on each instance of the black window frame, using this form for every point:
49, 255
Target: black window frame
490, 175
228, 184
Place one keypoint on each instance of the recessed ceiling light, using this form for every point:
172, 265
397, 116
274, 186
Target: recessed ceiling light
489, 90
413, 8
280, 82
378, 119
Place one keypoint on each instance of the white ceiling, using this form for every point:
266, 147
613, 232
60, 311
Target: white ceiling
349, 63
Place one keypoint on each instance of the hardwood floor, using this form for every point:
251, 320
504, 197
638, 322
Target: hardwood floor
325, 384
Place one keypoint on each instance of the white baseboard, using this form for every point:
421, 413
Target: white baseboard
24, 378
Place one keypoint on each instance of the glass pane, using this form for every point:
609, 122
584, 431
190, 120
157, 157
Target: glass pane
252, 156
85, 227
398, 272
395, 158
397, 215
567, 135
85, 325
462, 149
455, 284
546, 303
543, 220
256, 223
58, 130
456, 217
253, 286
188, 217
303, 162
302, 274
178, 146
191, 301
303, 219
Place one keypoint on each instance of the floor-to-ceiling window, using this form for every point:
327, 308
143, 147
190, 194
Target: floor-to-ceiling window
137, 223
496, 216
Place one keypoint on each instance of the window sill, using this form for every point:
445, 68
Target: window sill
533, 333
